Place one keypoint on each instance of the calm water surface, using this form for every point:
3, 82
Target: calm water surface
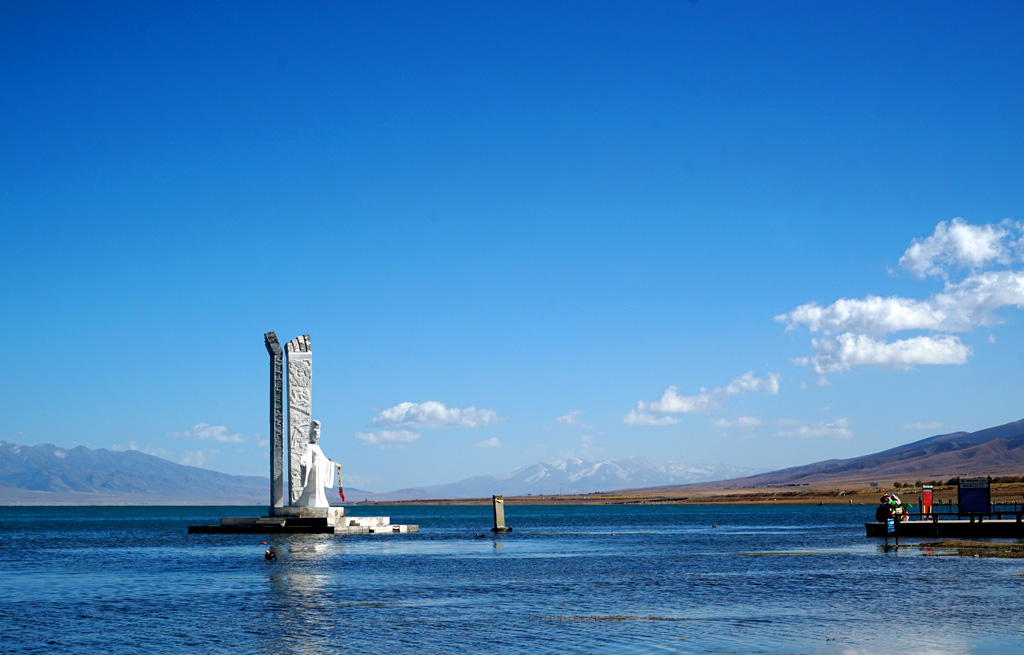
674, 579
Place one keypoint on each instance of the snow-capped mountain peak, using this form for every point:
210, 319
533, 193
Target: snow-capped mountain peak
573, 475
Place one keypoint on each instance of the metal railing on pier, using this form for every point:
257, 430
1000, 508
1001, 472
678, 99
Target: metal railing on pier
952, 510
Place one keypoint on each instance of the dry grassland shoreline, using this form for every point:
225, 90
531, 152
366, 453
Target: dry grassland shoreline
851, 494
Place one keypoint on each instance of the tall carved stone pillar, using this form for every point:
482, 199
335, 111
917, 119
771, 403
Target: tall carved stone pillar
300, 407
276, 420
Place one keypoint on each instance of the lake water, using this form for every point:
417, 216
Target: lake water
672, 579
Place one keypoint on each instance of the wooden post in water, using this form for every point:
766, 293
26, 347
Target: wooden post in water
499, 515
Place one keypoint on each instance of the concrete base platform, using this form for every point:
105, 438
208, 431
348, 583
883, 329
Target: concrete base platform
303, 520
991, 528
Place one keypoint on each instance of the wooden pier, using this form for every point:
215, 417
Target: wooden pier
975, 526
973, 515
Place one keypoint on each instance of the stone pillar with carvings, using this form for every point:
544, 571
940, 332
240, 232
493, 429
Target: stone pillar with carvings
276, 420
300, 408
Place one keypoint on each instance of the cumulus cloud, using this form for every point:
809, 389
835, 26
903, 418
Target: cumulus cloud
573, 419
839, 428
672, 403
157, 451
388, 439
589, 447
749, 382
641, 417
434, 415
658, 412
197, 457
848, 350
958, 244
853, 329
207, 432
742, 422
872, 314
927, 425
493, 442
960, 307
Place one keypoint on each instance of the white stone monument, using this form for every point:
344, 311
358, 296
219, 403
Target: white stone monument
300, 408
309, 469
316, 471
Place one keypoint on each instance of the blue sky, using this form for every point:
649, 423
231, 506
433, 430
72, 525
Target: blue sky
764, 234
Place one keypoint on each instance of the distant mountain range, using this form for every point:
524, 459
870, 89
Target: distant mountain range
572, 476
48, 474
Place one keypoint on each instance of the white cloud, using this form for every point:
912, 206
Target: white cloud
872, 314
749, 382
656, 412
207, 432
432, 414
364, 482
538, 450
838, 428
928, 425
388, 439
961, 306
157, 451
672, 403
640, 417
197, 457
588, 445
960, 245
848, 350
493, 442
743, 422
573, 419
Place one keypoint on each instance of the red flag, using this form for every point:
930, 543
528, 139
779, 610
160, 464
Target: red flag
341, 491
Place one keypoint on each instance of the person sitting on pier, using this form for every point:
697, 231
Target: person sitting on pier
882, 511
890, 506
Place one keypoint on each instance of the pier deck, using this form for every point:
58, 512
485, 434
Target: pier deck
301, 520
265, 528
1005, 528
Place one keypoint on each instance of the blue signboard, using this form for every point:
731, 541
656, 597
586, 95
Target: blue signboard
890, 526
973, 495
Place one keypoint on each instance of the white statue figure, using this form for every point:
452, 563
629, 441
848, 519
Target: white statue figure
316, 472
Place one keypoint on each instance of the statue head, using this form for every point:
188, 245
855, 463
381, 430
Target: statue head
314, 431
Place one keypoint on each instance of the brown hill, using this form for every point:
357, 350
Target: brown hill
994, 451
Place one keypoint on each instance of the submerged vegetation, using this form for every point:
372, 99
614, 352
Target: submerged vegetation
616, 617
965, 548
